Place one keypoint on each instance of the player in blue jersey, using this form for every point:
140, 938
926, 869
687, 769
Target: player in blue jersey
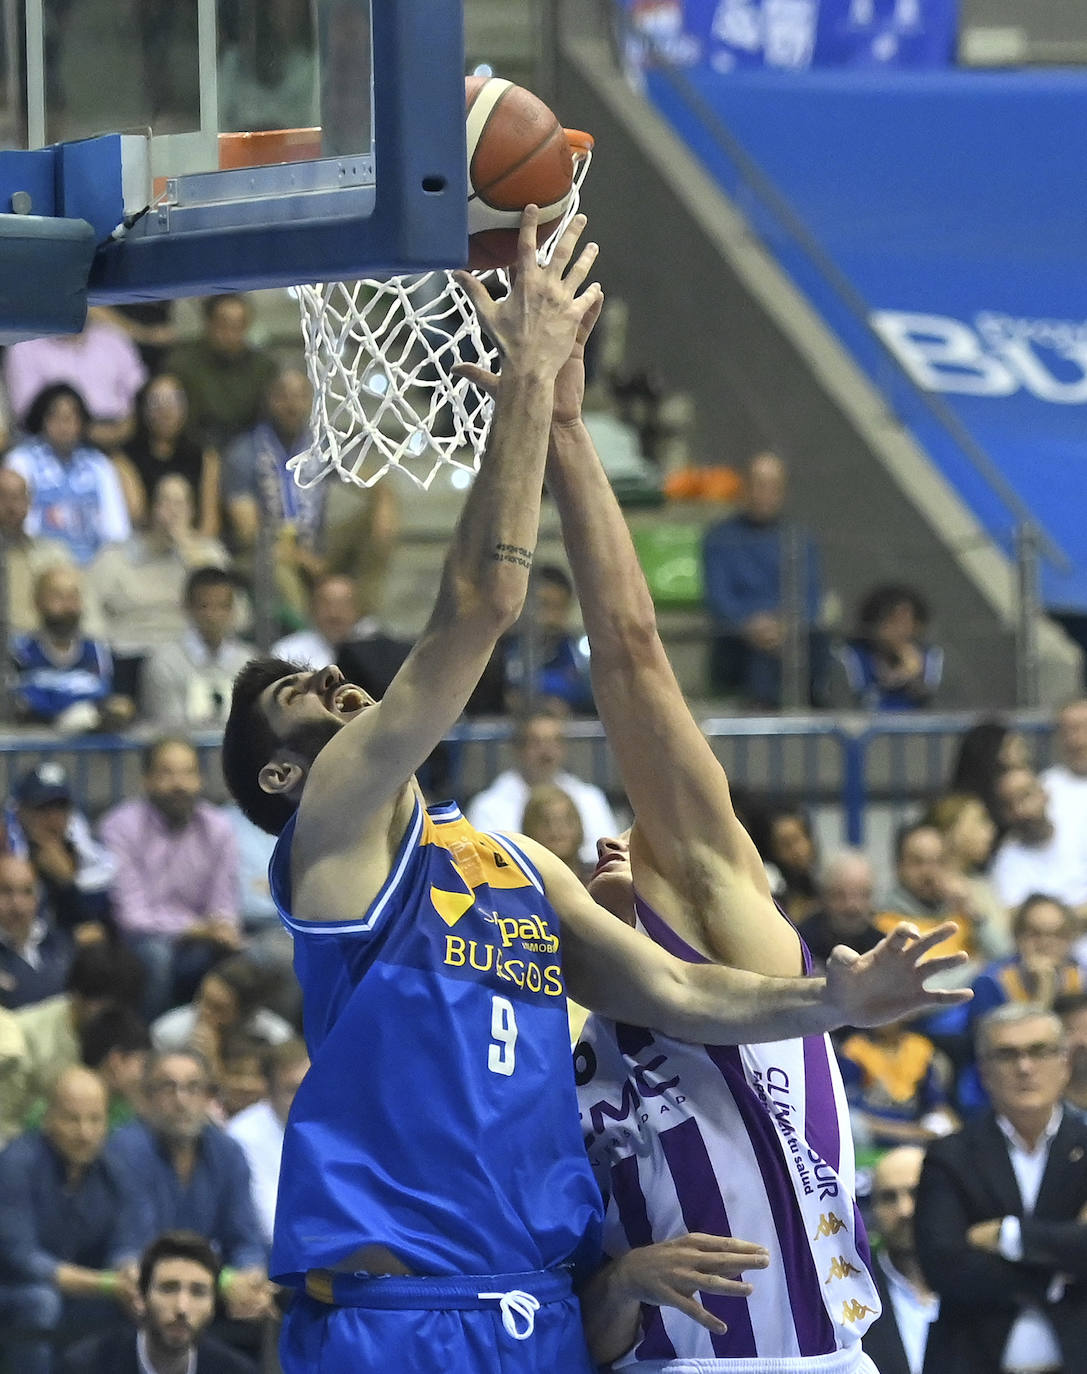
436, 1207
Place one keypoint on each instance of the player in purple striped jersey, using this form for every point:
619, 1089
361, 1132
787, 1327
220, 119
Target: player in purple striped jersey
695, 1143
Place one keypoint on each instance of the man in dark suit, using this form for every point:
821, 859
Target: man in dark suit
179, 1276
896, 1340
1001, 1222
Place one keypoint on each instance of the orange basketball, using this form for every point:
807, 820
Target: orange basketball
518, 155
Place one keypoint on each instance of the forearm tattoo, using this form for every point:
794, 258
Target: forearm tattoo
512, 553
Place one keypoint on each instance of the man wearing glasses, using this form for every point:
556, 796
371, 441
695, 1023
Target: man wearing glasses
1001, 1219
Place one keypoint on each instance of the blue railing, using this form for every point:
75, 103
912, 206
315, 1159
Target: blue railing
851, 762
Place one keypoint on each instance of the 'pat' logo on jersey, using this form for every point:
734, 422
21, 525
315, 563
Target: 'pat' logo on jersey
829, 1225
840, 1268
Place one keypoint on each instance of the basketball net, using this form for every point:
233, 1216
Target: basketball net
380, 357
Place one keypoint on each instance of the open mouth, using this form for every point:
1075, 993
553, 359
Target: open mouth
346, 699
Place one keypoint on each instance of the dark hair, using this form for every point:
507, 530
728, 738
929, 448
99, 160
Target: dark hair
521, 724
149, 754
977, 764
282, 1057
106, 970
210, 304
185, 1245
190, 1052
239, 1044
1027, 905
245, 979
249, 743
38, 411
903, 833
200, 578
115, 1028
881, 601
1070, 1003
556, 577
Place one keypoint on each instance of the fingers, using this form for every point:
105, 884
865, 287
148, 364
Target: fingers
526, 236
690, 1308
842, 954
582, 266
476, 292
595, 298
717, 1244
478, 376
564, 249
947, 997
941, 963
936, 936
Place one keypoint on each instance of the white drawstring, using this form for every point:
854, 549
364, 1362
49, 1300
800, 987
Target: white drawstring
513, 1305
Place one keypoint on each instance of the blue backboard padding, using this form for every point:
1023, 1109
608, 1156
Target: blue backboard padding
44, 264
959, 195
33, 172
89, 182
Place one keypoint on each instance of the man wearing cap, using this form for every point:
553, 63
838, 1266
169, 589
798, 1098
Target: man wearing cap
75, 871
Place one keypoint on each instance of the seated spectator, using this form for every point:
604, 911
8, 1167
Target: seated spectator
1034, 856
162, 447
63, 678
139, 585
101, 976
101, 363
66, 1215
224, 377
969, 835
115, 1044
190, 1175
187, 683
896, 1340
75, 493
26, 556
561, 655
268, 75
539, 749
1065, 782
898, 1085
229, 1000
847, 916
1000, 1214
241, 1079
259, 1129
260, 491
333, 623
175, 896
743, 560
75, 871
921, 893
35, 952
786, 842
888, 666
179, 1277
1072, 1011
1041, 969
552, 819
986, 751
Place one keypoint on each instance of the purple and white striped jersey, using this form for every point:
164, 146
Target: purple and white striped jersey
750, 1141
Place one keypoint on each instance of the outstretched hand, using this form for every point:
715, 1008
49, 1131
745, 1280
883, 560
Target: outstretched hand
888, 982
545, 313
671, 1272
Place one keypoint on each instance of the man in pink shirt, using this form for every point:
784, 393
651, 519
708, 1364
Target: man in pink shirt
103, 365
175, 895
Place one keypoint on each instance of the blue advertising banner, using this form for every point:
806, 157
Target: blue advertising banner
952, 209
791, 35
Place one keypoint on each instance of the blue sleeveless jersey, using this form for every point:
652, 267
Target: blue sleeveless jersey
439, 1116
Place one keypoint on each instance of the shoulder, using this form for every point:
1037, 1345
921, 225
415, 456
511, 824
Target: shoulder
21, 1154
213, 1357
115, 1351
126, 815
219, 1146
214, 819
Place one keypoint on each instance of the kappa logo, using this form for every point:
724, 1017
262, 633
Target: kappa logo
840, 1268
829, 1225
854, 1311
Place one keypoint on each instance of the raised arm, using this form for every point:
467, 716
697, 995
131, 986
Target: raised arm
485, 576
619, 972
692, 859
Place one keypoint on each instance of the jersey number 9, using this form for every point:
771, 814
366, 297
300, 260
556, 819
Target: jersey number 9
500, 1052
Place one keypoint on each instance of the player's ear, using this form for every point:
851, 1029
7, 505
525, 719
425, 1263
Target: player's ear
280, 776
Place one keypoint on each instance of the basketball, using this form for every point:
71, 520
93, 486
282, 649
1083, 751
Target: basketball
518, 155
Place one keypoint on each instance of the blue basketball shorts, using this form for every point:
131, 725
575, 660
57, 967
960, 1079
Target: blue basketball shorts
482, 1324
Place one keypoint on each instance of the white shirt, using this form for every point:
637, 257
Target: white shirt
259, 1132
914, 1312
1032, 1342
1067, 793
1057, 868
502, 807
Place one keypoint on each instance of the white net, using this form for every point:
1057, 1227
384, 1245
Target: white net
380, 356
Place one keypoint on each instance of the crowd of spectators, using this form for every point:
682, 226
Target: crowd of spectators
149, 1019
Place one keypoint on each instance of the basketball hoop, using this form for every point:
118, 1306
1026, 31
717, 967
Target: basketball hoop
380, 357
